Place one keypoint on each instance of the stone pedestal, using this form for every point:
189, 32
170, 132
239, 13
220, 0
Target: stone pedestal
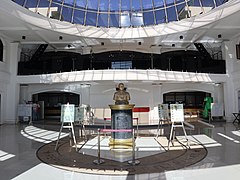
121, 118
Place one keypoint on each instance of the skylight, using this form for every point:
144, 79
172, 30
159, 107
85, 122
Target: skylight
120, 13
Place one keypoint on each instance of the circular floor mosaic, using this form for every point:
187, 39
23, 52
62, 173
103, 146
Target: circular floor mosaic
177, 157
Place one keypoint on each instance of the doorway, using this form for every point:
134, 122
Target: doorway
51, 102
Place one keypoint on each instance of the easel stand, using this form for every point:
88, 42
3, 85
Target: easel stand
173, 132
160, 126
71, 130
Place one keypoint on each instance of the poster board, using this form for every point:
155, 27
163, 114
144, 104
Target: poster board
79, 113
24, 110
67, 113
177, 113
216, 109
163, 111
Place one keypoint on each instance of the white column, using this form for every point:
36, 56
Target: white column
228, 87
12, 94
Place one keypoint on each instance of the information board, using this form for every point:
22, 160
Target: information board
79, 113
177, 113
67, 113
216, 109
163, 111
25, 110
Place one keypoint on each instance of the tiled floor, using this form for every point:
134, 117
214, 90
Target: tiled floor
18, 156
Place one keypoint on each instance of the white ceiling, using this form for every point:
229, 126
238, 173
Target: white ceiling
16, 21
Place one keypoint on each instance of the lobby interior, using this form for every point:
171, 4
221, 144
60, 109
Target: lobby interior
56, 52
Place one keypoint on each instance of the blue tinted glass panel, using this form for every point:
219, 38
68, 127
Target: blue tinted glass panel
114, 5
136, 5
158, 3
147, 4
181, 11
219, 2
31, 3
103, 5
137, 19
208, 3
81, 4
171, 12
194, 3
58, 1
103, 20
91, 19
78, 17
92, 4
160, 16
20, 2
125, 5
148, 18
114, 20
125, 20
69, 2
170, 2
43, 3
67, 14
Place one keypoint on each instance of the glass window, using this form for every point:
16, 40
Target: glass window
69, 2
56, 14
103, 20
43, 3
103, 5
92, 4
114, 20
1, 50
57, 1
137, 19
181, 12
147, 4
31, 4
136, 5
125, 5
169, 2
158, 3
20, 2
122, 65
67, 14
114, 5
78, 17
171, 14
219, 2
81, 4
160, 16
207, 3
125, 19
148, 18
91, 19
194, 3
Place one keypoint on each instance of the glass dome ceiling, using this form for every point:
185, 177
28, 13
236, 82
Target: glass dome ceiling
119, 13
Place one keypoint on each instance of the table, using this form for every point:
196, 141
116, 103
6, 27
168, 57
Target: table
237, 117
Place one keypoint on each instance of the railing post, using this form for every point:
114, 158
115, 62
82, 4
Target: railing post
99, 160
133, 161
